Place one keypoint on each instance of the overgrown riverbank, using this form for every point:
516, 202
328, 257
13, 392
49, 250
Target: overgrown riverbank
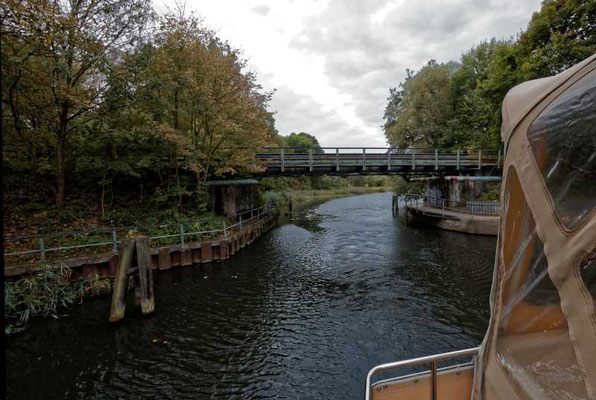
316, 196
43, 290
80, 222
46, 294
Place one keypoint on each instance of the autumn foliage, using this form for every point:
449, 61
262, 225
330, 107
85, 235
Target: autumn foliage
104, 99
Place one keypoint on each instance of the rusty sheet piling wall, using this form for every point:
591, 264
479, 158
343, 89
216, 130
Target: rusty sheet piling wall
165, 257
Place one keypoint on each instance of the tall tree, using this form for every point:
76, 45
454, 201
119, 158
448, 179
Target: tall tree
303, 140
477, 102
197, 89
417, 112
57, 55
558, 36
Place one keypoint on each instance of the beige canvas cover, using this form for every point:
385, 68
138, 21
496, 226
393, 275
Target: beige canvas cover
541, 341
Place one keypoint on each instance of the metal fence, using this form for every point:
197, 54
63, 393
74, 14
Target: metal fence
442, 205
41, 248
484, 207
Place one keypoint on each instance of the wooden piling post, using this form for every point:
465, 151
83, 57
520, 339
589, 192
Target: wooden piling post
118, 305
134, 281
145, 275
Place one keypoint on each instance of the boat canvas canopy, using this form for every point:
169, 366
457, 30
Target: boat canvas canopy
541, 341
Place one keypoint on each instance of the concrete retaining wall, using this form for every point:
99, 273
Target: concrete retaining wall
458, 222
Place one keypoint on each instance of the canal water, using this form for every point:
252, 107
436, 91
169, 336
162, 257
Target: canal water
302, 313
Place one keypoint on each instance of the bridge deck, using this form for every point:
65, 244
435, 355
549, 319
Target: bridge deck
348, 161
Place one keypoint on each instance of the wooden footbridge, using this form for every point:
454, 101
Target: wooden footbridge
294, 161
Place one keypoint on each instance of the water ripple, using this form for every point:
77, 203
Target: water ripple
302, 313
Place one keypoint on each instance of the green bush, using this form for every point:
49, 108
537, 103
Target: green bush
402, 187
492, 195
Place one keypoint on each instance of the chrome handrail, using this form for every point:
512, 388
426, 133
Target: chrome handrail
432, 360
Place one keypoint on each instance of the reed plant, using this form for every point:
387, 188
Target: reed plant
46, 293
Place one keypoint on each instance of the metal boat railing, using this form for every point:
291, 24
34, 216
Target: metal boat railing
432, 361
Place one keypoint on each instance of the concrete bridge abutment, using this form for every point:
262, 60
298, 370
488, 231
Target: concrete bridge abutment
232, 197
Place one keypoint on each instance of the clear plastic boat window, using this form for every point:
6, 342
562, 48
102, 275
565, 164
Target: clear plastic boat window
563, 140
530, 301
533, 343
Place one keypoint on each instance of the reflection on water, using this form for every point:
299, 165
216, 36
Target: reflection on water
304, 312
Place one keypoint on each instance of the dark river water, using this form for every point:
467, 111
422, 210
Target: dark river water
304, 312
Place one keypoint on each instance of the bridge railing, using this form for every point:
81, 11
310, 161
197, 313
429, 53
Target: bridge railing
302, 157
56, 246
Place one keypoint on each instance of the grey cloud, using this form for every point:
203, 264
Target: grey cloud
262, 10
297, 112
364, 58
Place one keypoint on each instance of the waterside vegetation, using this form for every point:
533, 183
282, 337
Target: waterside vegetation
46, 294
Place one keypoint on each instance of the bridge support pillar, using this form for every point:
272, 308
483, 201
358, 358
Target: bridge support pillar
234, 196
452, 189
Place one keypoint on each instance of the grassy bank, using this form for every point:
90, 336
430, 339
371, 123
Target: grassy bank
305, 197
317, 195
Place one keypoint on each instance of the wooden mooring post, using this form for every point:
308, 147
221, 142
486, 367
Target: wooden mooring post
137, 249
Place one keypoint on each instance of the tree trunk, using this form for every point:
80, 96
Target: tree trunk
103, 195
176, 108
60, 155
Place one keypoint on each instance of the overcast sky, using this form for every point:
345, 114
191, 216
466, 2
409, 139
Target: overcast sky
333, 61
